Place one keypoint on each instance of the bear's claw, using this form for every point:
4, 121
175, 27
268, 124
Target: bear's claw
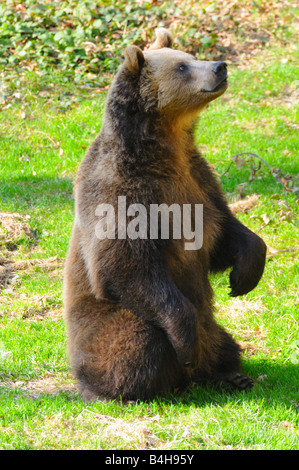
236, 380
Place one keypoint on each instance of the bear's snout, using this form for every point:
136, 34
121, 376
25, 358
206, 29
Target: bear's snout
220, 69
216, 77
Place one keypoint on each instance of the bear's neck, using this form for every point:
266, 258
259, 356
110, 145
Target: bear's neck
146, 142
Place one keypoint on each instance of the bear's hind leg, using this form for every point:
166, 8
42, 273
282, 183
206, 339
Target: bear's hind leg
123, 357
225, 369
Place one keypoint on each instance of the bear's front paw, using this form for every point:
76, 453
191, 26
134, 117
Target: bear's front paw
249, 267
186, 348
181, 328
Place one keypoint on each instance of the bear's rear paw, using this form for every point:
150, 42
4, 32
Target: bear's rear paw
236, 381
89, 395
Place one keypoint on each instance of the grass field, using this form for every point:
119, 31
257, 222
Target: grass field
44, 135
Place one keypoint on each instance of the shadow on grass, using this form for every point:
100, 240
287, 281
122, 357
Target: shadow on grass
275, 385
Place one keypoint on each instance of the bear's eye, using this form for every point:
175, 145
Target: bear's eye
183, 68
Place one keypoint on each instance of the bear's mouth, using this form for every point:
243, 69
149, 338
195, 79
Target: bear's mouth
219, 87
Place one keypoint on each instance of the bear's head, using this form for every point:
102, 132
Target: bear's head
173, 82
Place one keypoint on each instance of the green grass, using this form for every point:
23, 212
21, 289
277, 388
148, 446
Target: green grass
41, 146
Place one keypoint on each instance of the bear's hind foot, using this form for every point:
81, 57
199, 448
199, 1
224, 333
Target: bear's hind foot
234, 380
88, 395
228, 381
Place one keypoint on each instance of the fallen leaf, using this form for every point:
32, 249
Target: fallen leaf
273, 251
261, 378
265, 218
244, 205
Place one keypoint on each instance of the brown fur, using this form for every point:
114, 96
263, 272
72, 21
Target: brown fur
139, 312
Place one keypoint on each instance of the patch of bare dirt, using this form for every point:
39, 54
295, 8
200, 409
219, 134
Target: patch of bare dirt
238, 308
10, 267
13, 228
14, 231
133, 430
41, 307
46, 385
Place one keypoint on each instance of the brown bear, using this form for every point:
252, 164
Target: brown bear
139, 309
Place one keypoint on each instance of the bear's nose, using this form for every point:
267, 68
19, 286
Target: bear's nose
220, 68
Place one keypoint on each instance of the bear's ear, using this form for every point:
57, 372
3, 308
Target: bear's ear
134, 58
163, 39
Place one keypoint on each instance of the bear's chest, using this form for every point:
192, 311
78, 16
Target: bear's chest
194, 216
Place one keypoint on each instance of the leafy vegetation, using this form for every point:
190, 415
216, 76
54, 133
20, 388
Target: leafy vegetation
82, 41
52, 106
